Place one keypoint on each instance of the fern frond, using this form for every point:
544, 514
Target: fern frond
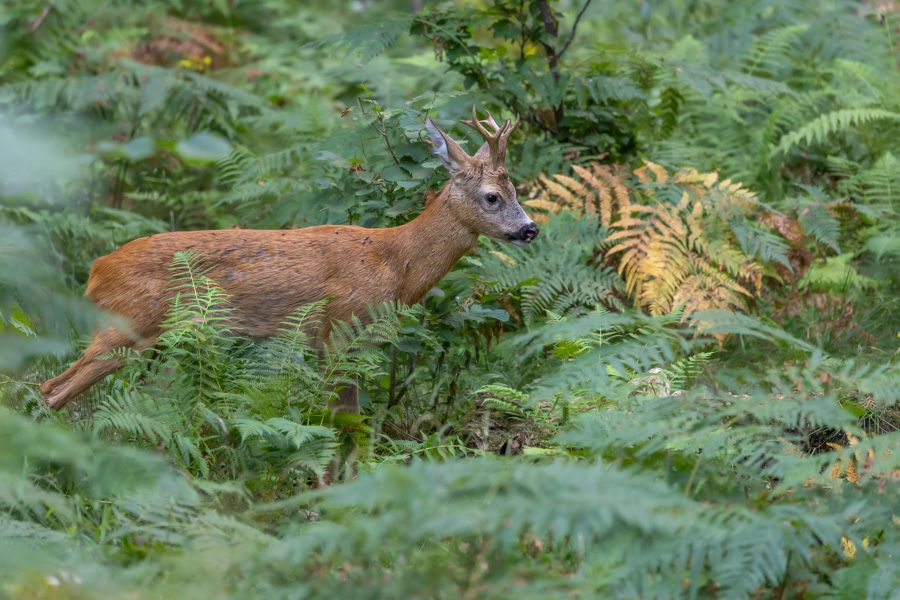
820, 223
124, 415
370, 39
830, 124
685, 240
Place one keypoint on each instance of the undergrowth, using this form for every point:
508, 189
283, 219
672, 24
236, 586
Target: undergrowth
686, 387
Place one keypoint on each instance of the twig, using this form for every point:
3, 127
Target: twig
407, 381
409, 377
37, 22
551, 26
550, 23
448, 33
782, 585
6, 380
383, 132
572, 33
393, 379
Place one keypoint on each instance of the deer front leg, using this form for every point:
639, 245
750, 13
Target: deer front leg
343, 398
347, 400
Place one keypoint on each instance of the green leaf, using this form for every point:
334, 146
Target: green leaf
334, 159
203, 147
139, 148
394, 173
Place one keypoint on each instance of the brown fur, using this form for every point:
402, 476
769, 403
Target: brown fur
269, 274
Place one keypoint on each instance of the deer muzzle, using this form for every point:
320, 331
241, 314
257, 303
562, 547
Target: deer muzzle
524, 236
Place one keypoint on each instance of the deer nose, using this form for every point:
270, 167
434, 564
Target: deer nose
529, 232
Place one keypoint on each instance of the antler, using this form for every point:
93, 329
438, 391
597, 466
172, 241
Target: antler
496, 142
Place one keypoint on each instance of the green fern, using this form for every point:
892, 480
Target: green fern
355, 343
766, 470
202, 384
831, 124
820, 223
559, 275
370, 39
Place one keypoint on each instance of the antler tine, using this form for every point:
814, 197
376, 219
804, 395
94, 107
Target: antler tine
490, 121
507, 129
496, 142
514, 126
475, 124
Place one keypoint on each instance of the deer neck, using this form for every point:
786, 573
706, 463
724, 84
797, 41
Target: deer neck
426, 248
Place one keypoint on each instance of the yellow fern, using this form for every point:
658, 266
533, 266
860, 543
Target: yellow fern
666, 253
598, 191
542, 204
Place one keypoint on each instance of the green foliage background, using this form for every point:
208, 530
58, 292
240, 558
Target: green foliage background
526, 430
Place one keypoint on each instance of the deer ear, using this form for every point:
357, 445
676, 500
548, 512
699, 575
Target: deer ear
483, 152
446, 148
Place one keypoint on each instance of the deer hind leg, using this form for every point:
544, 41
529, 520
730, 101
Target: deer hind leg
88, 370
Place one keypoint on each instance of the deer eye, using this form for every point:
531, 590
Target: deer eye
492, 198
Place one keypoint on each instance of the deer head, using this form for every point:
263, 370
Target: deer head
481, 197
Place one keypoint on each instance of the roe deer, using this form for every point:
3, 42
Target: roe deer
269, 274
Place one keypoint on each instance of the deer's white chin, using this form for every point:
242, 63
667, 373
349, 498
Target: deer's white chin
520, 243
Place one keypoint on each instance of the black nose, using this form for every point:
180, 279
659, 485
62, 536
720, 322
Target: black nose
528, 233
